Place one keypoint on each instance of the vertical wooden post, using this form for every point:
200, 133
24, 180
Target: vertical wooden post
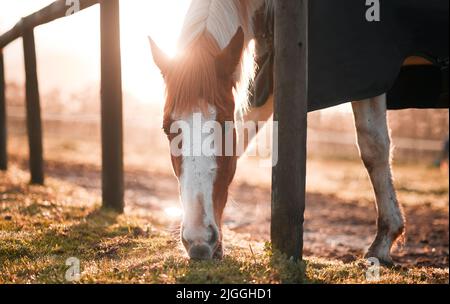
3, 122
111, 107
33, 109
291, 104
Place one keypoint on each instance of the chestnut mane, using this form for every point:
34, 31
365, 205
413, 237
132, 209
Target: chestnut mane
208, 28
192, 82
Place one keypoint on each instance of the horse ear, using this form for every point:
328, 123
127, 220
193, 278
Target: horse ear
161, 60
229, 58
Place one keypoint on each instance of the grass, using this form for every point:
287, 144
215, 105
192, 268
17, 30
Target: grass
41, 227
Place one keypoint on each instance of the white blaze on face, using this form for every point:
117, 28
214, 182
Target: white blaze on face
198, 173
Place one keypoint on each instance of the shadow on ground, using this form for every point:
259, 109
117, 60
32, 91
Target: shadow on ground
334, 228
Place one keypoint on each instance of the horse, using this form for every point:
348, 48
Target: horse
202, 81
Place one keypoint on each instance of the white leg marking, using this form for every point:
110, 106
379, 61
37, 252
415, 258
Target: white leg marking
375, 149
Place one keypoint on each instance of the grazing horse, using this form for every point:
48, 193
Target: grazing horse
201, 82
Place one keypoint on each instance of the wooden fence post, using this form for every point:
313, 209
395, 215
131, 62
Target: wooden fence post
291, 101
3, 121
111, 107
33, 109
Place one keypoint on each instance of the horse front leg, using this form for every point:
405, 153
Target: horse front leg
375, 149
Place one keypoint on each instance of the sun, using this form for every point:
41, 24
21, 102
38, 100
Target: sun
77, 38
161, 20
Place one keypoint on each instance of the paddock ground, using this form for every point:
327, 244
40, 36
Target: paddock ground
43, 226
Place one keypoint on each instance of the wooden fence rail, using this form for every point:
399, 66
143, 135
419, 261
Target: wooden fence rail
111, 94
56, 10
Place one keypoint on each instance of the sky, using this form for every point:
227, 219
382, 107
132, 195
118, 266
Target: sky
68, 50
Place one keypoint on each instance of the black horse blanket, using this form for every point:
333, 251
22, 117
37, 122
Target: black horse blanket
357, 50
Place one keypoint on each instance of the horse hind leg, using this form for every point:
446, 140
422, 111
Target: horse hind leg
375, 149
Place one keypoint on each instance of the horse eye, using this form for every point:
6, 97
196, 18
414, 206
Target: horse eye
214, 235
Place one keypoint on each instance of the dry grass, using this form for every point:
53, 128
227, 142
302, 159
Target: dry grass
41, 227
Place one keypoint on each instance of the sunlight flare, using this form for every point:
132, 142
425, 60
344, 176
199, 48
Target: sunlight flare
173, 212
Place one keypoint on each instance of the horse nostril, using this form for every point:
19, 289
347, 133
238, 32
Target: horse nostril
214, 235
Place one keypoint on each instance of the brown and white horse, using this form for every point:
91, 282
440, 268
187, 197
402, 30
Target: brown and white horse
201, 82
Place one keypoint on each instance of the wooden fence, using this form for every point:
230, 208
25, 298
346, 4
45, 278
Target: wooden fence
111, 95
291, 109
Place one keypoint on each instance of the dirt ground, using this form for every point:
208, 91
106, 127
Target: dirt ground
340, 217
